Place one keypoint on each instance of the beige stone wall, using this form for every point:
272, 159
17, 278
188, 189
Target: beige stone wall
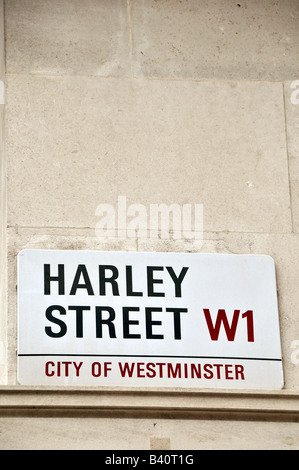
3, 203
167, 101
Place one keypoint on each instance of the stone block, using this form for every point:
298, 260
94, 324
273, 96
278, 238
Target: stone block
73, 37
76, 142
215, 39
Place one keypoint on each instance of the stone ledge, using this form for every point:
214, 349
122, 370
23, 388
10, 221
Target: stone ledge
175, 403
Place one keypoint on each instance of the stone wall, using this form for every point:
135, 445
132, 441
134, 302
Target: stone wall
161, 101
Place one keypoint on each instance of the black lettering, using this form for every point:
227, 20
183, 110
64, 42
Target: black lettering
151, 281
130, 283
108, 321
177, 320
79, 318
111, 280
127, 322
55, 320
87, 284
177, 280
48, 279
149, 322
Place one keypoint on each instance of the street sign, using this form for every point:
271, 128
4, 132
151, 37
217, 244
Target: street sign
132, 319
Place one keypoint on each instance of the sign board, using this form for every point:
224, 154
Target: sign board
131, 319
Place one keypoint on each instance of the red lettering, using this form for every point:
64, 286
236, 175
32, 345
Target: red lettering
107, 368
150, 367
126, 369
208, 372
47, 369
250, 332
239, 370
140, 369
174, 371
160, 365
195, 371
228, 370
63, 368
66, 363
77, 367
218, 367
221, 318
96, 369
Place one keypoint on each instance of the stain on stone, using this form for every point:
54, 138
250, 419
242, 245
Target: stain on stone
159, 443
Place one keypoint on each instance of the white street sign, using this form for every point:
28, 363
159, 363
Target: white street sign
131, 319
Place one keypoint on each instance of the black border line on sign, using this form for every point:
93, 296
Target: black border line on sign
149, 356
